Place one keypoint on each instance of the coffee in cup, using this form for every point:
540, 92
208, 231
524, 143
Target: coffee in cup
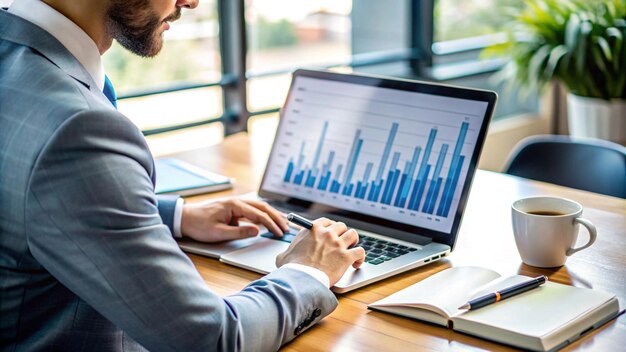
546, 230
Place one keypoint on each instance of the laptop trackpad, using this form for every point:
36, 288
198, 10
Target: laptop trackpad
215, 250
260, 257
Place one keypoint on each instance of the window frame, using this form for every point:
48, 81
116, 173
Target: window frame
419, 56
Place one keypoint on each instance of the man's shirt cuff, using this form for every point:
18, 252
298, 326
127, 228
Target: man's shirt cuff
315, 273
178, 218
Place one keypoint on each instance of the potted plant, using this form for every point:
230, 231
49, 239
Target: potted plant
582, 44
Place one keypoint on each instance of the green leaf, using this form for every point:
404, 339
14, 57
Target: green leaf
583, 43
604, 46
537, 65
572, 28
556, 55
592, 87
599, 61
496, 50
598, 58
616, 39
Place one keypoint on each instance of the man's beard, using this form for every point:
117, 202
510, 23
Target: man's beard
135, 25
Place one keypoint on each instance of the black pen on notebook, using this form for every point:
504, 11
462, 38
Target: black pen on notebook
504, 293
299, 220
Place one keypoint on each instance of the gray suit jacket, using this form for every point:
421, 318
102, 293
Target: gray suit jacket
86, 262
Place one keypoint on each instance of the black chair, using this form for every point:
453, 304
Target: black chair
589, 164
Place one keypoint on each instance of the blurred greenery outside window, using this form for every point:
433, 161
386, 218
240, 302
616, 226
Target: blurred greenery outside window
285, 34
467, 26
458, 19
190, 54
281, 35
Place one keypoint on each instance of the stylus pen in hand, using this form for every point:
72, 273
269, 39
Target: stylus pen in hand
299, 220
505, 293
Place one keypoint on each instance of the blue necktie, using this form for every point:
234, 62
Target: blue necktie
109, 91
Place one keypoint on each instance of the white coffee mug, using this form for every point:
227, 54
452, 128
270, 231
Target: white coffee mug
546, 230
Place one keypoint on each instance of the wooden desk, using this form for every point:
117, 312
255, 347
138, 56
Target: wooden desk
486, 239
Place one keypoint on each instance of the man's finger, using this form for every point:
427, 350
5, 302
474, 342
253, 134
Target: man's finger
257, 216
323, 222
276, 215
349, 238
228, 232
358, 255
338, 228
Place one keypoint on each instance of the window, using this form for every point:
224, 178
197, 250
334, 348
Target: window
230, 60
190, 56
285, 34
458, 19
461, 29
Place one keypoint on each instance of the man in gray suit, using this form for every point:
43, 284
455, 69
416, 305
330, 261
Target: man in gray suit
87, 255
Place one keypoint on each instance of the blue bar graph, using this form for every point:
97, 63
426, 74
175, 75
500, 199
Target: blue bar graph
325, 171
352, 159
289, 171
362, 185
435, 182
415, 183
299, 177
391, 178
375, 190
335, 185
348, 186
312, 173
422, 176
324, 181
453, 173
300, 157
407, 179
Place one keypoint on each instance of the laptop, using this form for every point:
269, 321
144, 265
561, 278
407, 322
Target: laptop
393, 159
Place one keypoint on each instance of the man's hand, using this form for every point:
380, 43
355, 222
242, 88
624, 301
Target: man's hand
325, 247
219, 221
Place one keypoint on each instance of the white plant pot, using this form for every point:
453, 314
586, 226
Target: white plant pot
597, 118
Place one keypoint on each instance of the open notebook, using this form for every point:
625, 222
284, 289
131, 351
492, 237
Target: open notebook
543, 319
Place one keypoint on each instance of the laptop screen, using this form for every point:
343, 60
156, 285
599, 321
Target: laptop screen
388, 153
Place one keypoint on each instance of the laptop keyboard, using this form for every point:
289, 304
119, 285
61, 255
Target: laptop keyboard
377, 251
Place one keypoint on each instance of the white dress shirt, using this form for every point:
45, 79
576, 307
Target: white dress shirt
85, 50
73, 38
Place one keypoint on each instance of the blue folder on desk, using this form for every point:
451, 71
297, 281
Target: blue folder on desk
178, 177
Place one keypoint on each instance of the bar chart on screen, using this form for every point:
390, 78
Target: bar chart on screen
392, 185
404, 160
